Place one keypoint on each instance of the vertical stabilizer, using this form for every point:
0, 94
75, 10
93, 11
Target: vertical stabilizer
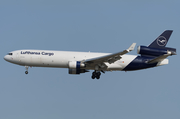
161, 41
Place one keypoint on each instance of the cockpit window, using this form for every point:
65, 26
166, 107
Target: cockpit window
10, 53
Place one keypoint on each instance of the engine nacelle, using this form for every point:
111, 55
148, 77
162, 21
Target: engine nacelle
75, 67
143, 50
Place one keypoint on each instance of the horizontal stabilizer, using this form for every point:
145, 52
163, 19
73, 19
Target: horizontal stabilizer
158, 59
162, 57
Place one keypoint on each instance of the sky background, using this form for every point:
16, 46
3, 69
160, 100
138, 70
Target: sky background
96, 26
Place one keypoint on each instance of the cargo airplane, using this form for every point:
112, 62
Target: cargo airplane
81, 62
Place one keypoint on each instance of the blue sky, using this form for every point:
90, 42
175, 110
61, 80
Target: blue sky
96, 26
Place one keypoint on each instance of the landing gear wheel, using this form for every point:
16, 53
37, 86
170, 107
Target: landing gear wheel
96, 75
26, 72
93, 77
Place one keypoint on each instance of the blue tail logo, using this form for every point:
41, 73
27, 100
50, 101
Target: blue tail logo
161, 41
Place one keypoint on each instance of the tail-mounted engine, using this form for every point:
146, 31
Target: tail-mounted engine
149, 51
75, 67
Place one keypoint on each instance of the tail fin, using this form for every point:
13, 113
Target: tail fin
161, 41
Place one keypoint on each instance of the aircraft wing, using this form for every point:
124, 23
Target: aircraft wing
109, 58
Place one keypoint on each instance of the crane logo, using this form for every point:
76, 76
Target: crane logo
161, 41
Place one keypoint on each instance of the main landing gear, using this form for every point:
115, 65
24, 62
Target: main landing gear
96, 74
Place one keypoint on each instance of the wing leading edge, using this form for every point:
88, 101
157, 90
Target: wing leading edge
110, 58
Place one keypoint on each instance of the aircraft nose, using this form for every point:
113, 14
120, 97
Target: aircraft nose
6, 57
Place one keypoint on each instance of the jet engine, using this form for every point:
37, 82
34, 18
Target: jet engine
75, 67
143, 50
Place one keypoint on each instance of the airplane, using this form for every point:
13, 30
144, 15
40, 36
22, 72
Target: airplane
81, 62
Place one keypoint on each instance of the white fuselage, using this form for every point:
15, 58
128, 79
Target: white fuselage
61, 59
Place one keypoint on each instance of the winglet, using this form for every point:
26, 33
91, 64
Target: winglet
131, 47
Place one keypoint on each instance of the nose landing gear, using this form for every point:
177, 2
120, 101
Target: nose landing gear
26, 72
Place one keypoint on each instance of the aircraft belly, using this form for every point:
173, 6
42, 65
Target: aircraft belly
140, 62
114, 66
